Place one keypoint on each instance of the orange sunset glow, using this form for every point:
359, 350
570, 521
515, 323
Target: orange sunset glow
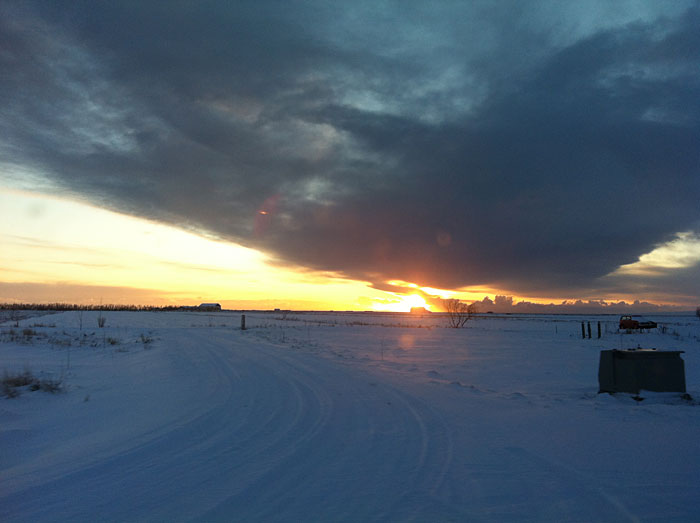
73, 251
402, 303
59, 249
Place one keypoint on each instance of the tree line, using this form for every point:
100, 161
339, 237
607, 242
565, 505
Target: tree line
78, 307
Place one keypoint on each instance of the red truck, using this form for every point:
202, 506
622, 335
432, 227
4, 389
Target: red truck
626, 322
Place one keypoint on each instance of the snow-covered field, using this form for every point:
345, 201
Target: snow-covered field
182, 416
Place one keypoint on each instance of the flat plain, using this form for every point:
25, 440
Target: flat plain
182, 416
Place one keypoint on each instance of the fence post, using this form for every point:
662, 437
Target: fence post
589, 330
583, 331
598, 330
242, 322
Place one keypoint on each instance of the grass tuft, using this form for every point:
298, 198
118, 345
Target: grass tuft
12, 384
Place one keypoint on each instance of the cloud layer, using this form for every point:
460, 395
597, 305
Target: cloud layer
534, 150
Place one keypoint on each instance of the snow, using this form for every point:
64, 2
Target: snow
181, 416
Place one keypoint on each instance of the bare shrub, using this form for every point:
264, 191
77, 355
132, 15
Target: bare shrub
18, 380
8, 391
12, 383
101, 321
458, 312
52, 385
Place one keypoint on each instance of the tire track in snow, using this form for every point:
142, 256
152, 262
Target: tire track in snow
262, 434
346, 468
582, 481
119, 477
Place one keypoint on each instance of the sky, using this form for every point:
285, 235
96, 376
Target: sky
351, 155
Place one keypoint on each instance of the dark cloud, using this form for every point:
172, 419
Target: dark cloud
532, 149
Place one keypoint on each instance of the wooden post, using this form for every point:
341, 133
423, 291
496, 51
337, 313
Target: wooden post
242, 322
583, 331
589, 330
598, 330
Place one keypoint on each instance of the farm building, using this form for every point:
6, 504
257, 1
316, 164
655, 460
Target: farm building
209, 307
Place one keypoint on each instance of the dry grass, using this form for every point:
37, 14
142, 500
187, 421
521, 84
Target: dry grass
12, 385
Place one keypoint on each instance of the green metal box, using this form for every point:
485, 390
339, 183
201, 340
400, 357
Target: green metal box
632, 370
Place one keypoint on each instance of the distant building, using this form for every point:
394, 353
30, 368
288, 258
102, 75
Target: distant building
419, 310
209, 307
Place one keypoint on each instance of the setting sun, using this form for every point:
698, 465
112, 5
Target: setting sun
72, 251
414, 301
401, 304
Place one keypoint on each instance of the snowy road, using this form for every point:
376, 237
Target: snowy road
258, 435
215, 424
